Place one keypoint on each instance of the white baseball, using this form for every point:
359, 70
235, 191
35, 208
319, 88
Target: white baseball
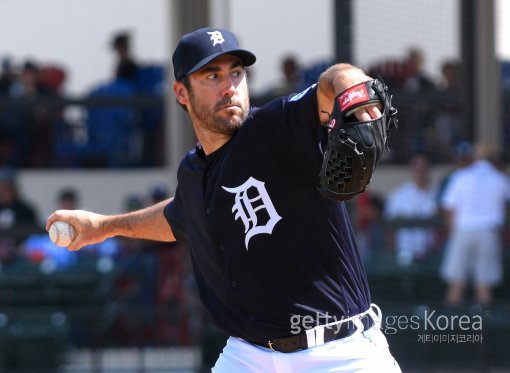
62, 233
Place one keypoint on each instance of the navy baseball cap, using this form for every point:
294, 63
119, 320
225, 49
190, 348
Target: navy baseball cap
200, 47
463, 149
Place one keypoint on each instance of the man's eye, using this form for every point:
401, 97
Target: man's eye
237, 74
212, 76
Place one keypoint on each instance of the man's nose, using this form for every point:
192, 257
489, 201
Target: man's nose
230, 88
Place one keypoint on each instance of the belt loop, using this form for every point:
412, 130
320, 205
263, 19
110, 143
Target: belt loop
376, 313
319, 335
359, 325
310, 338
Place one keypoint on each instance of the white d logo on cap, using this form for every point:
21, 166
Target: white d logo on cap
216, 37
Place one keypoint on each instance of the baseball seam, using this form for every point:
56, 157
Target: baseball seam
70, 233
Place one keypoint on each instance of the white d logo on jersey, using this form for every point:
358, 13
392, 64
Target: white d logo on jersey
246, 208
216, 37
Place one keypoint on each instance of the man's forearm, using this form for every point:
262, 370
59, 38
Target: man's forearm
148, 223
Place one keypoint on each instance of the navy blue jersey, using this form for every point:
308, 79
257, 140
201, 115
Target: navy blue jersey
266, 248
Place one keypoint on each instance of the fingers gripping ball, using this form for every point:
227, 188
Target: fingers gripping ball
62, 233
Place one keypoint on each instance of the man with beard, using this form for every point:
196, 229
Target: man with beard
276, 263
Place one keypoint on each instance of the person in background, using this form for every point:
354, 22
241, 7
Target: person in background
31, 127
291, 81
126, 67
68, 199
18, 217
417, 79
448, 123
475, 201
14, 209
414, 199
291, 77
7, 77
463, 158
158, 192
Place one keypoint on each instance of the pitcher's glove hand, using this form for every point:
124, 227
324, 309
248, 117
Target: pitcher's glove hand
355, 148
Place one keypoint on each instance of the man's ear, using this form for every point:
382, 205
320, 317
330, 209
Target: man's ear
181, 93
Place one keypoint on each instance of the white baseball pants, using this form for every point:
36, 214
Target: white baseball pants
364, 351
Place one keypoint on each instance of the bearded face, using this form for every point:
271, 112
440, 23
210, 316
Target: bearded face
225, 115
216, 96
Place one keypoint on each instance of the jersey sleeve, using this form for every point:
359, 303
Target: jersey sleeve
291, 128
174, 216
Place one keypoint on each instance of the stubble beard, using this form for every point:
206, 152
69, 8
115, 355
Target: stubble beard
212, 121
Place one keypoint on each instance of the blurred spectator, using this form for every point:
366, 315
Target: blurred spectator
7, 77
414, 199
294, 79
28, 129
7, 138
416, 79
291, 77
126, 67
16, 214
463, 158
14, 209
450, 81
28, 84
121, 135
116, 127
421, 118
133, 202
52, 78
417, 106
476, 201
406, 73
448, 126
159, 192
68, 199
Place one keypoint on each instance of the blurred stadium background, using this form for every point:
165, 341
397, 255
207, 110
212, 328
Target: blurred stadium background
131, 306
